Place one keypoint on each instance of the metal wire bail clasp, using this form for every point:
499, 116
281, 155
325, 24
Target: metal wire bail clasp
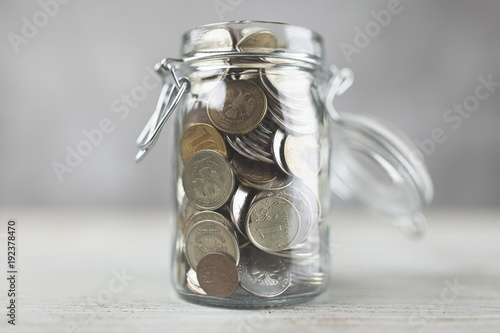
170, 97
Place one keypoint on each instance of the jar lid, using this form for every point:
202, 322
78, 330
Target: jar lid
252, 37
380, 167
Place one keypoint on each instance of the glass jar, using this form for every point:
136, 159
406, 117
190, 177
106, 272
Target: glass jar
258, 150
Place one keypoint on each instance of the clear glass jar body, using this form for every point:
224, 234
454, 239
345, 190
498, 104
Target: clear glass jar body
252, 167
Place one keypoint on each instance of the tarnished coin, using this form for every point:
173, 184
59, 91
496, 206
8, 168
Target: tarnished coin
240, 203
237, 106
273, 224
207, 215
253, 171
263, 274
259, 41
201, 136
302, 156
207, 179
207, 237
218, 275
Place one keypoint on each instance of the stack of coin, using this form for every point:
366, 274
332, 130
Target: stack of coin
249, 189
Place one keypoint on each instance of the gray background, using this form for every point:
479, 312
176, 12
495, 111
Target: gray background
65, 79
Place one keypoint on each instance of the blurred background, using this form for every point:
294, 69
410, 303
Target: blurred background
67, 66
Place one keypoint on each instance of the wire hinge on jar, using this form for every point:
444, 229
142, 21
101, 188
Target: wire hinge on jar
170, 97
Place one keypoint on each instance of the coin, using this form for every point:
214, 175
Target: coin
302, 156
211, 40
207, 179
295, 86
277, 150
207, 237
192, 282
207, 215
273, 224
263, 274
201, 136
218, 275
281, 182
237, 106
301, 203
239, 206
252, 171
259, 41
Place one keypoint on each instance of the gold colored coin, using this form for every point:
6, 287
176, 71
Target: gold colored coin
199, 137
237, 107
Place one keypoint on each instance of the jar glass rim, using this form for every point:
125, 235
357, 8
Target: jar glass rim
237, 37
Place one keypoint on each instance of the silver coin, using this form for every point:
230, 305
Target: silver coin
252, 171
240, 203
273, 224
301, 203
188, 209
313, 198
231, 140
295, 85
210, 236
254, 151
213, 40
257, 41
277, 150
192, 282
263, 274
208, 179
281, 182
207, 215
302, 156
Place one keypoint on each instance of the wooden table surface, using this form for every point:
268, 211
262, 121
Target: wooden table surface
69, 260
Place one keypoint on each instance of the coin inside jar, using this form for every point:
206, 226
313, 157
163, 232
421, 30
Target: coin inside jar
207, 179
258, 41
302, 156
207, 237
273, 224
207, 215
217, 275
301, 202
237, 106
239, 206
263, 274
200, 136
252, 171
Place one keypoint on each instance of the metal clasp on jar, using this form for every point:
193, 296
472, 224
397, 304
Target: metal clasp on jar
170, 97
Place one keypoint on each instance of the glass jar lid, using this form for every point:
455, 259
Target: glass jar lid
380, 167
